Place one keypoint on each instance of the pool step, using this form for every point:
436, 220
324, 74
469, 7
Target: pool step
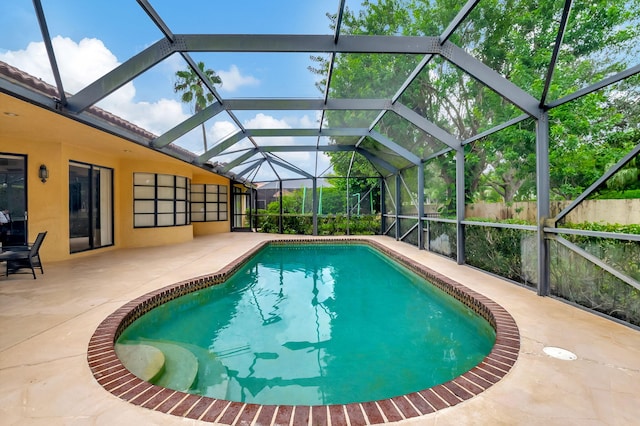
181, 366
145, 361
162, 363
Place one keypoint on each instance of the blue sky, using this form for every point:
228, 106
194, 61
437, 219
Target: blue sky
92, 37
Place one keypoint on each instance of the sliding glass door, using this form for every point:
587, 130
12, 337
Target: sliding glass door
90, 207
241, 213
13, 199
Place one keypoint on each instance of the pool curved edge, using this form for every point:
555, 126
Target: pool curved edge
112, 375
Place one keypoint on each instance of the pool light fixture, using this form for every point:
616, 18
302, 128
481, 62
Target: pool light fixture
559, 353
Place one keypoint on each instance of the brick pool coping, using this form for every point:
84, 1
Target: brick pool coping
112, 375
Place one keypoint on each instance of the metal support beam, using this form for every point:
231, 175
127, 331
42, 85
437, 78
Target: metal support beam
315, 206
459, 18
420, 206
490, 78
120, 76
398, 187
496, 129
403, 152
46, 37
595, 87
599, 263
306, 43
347, 203
377, 161
306, 148
338, 131
597, 234
244, 157
437, 154
164, 48
290, 168
612, 171
20, 92
248, 133
460, 207
251, 167
304, 104
187, 125
150, 11
406, 234
153, 15
427, 126
383, 205
556, 50
543, 196
214, 109
225, 144
336, 37
281, 209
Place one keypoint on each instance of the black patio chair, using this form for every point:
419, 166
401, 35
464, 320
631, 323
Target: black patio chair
23, 257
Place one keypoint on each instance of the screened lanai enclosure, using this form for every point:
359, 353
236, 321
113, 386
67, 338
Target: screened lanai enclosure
502, 134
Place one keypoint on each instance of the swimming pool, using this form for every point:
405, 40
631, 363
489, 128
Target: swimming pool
314, 324
112, 375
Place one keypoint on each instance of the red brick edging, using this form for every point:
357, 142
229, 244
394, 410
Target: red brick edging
115, 378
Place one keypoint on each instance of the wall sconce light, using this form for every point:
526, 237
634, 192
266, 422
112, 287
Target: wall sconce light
43, 173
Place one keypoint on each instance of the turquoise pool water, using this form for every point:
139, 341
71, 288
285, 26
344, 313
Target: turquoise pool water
315, 324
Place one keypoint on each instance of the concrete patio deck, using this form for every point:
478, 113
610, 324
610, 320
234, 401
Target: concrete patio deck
47, 323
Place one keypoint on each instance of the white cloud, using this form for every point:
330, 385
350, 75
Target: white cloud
221, 130
81, 64
232, 79
307, 123
263, 121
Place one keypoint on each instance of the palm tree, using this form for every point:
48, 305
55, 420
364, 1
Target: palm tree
194, 91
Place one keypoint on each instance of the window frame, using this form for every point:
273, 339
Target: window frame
211, 201
95, 172
161, 200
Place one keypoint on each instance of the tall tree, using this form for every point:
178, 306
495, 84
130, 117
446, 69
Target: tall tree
194, 92
515, 38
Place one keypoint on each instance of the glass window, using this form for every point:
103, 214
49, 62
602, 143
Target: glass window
208, 203
160, 200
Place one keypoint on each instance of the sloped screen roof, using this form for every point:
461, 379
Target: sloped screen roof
274, 90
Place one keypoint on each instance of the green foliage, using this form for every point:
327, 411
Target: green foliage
507, 252
327, 225
193, 90
617, 228
443, 238
333, 199
511, 253
625, 194
515, 38
343, 225
334, 223
580, 281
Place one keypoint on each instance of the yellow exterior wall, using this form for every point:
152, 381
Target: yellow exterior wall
48, 138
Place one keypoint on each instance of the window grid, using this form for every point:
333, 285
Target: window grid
160, 200
209, 203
